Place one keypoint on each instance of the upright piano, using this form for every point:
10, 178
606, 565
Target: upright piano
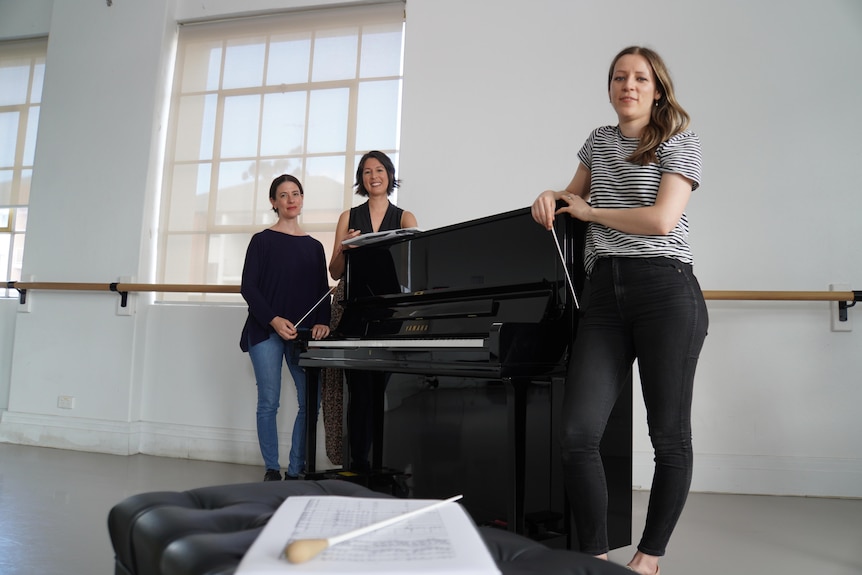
484, 312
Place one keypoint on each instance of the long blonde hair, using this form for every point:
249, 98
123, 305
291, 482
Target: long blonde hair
668, 118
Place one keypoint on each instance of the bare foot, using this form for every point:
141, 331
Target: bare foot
644, 564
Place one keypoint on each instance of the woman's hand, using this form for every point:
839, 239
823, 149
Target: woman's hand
319, 331
336, 264
577, 207
284, 328
544, 208
350, 235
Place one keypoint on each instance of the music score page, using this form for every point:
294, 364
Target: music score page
443, 540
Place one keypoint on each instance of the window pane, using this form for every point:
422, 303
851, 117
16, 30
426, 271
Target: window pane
201, 66
8, 138
5, 252
226, 258
189, 198
184, 259
5, 219
324, 189
328, 240
269, 169
30, 141
289, 58
243, 63
381, 51
335, 55
327, 121
239, 130
377, 115
15, 79
38, 80
20, 220
24, 188
196, 128
283, 124
5, 187
17, 256
235, 195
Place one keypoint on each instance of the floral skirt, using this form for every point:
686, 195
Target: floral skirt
333, 392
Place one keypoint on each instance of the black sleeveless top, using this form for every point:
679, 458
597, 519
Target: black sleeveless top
360, 219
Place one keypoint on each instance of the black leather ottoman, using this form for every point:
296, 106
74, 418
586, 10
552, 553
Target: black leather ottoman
206, 531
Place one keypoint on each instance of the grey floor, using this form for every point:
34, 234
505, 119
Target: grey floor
54, 506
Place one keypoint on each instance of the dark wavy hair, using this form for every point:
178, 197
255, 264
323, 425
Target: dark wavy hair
390, 169
280, 180
668, 117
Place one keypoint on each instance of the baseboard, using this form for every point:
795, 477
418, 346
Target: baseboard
73, 433
743, 474
764, 475
148, 438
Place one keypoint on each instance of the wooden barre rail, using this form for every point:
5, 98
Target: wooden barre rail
845, 299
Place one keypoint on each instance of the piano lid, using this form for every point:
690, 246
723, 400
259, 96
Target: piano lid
458, 280
492, 254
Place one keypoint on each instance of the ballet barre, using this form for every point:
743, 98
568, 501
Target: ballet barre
846, 298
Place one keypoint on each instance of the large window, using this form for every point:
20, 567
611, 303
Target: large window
302, 93
22, 69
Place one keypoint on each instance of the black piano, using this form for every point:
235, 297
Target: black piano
482, 314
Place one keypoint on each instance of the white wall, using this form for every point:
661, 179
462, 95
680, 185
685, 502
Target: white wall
498, 97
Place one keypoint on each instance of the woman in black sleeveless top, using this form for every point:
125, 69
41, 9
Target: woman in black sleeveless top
375, 179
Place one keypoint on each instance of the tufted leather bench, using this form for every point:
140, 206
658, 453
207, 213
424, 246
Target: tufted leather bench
206, 531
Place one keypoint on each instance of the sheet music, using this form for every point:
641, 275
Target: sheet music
370, 238
444, 540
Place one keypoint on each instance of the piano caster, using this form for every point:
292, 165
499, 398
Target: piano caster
431, 382
389, 481
544, 525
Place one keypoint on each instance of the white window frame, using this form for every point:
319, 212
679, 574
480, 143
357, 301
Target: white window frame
22, 72
208, 245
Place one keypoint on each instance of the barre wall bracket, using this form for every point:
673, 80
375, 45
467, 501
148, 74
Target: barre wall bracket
124, 295
22, 293
843, 305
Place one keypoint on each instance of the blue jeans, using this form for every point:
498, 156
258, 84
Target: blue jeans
651, 309
266, 360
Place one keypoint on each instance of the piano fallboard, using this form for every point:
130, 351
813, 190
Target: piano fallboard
489, 297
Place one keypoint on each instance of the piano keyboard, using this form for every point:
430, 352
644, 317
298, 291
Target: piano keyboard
398, 343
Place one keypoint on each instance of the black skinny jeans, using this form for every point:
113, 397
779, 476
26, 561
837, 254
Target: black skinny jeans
651, 309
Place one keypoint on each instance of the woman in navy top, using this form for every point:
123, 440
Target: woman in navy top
284, 277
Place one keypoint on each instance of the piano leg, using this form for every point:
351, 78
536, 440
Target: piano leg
516, 406
378, 389
312, 389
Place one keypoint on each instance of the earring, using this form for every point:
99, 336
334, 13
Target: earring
656, 103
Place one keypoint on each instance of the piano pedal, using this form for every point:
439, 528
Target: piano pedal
385, 480
498, 523
542, 525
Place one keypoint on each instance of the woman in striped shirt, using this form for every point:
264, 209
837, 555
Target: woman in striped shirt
641, 300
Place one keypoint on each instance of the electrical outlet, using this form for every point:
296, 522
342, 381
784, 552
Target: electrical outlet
837, 324
65, 402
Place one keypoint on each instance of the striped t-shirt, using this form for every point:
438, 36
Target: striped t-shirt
617, 183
